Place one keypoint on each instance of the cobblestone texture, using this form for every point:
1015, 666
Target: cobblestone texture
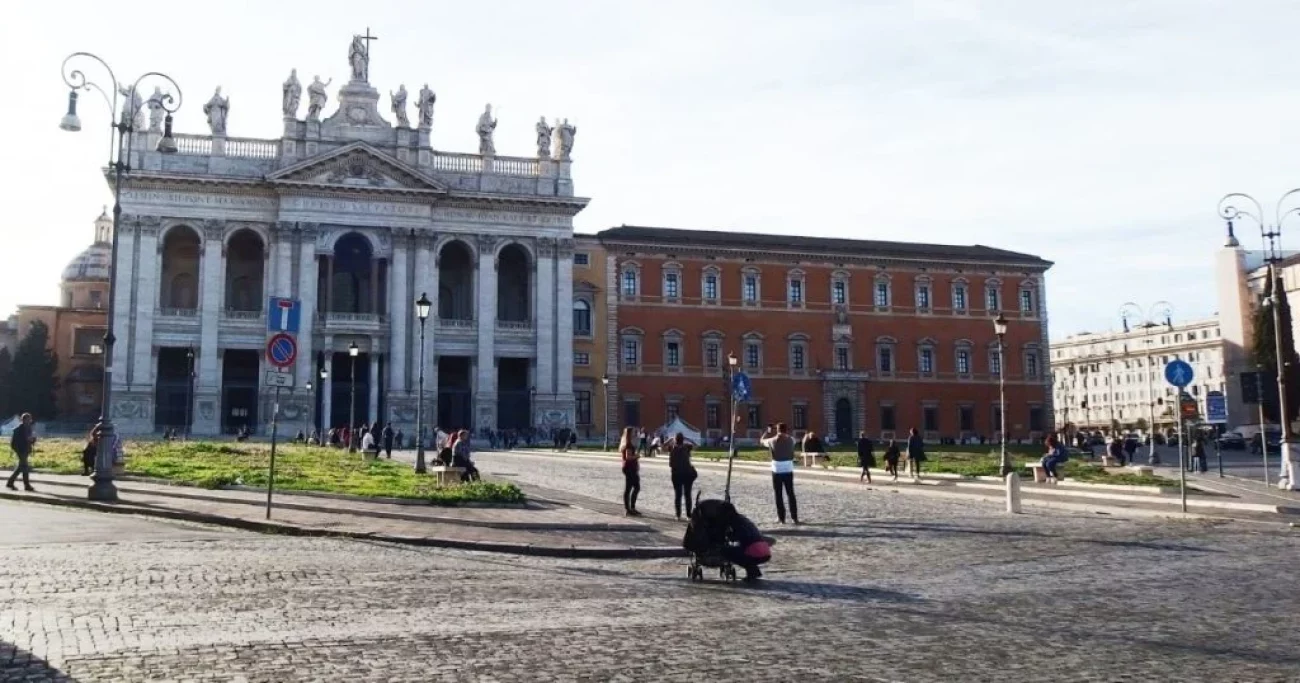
879, 587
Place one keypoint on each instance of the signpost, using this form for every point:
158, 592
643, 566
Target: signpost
1179, 373
282, 319
741, 388
1216, 407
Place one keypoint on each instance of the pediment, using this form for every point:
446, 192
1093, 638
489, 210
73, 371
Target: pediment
585, 286
357, 166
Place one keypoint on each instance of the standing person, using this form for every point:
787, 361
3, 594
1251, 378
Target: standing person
644, 448
915, 452
91, 450
1116, 450
1198, 454
866, 457
892, 456
21, 442
781, 445
388, 436
683, 473
631, 471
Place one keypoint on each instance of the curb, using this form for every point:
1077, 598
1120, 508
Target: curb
268, 527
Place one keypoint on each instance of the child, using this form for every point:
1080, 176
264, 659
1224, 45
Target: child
892, 456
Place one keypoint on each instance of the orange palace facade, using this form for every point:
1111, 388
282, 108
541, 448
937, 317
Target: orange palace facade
837, 336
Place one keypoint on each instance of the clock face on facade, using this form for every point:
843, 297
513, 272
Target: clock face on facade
358, 115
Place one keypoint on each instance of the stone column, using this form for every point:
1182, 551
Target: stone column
327, 386
373, 380
146, 274
485, 398
208, 383
544, 322
282, 237
124, 292
307, 276
425, 280
329, 285
374, 285
401, 308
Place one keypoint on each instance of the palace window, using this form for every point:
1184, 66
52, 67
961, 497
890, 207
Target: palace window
926, 360
630, 283
753, 355
582, 407
887, 421
581, 258
796, 292
631, 353
581, 358
712, 350
799, 416
993, 296
882, 294
798, 356
930, 418
959, 303
963, 361
1026, 301
923, 297
672, 287
966, 418
995, 363
839, 292
841, 357
751, 289
754, 413
712, 416
581, 318
673, 354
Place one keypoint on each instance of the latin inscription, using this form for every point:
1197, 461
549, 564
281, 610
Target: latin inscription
184, 198
475, 216
351, 206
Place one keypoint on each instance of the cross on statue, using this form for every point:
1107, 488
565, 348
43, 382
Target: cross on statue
367, 37
359, 56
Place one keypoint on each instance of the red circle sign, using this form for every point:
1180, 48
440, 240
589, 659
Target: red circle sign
281, 350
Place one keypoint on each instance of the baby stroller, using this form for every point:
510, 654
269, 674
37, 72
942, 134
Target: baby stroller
706, 539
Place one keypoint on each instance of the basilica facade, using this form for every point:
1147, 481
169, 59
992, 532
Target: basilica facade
355, 217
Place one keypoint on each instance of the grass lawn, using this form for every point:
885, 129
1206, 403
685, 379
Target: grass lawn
971, 461
297, 468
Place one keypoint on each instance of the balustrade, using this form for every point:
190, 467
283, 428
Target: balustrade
248, 148
230, 314
460, 163
452, 324
516, 166
178, 313
194, 144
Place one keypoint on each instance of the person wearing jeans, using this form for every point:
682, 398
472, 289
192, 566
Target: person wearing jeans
779, 442
631, 472
683, 473
21, 442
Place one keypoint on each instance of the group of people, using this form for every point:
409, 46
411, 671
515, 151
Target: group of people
682, 472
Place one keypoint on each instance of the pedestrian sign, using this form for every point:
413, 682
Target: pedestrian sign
740, 386
281, 350
282, 315
1216, 407
1179, 373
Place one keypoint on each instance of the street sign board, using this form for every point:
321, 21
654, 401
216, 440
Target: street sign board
1179, 373
1187, 407
274, 378
740, 386
281, 350
1216, 407
282, 315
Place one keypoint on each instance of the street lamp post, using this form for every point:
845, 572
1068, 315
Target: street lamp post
353, 352
604, 381
1110, 390
306, 435
1288, 477
320, 419
422, 307
121, 136
1160, 312
732, 365
1000, 329
189, 392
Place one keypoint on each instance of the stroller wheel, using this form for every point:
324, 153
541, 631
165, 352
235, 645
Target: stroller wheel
731, 574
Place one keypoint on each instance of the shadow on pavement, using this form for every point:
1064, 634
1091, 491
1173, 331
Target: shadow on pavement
17, 664
953, 529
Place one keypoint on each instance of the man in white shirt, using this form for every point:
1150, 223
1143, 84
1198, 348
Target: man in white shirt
781, 444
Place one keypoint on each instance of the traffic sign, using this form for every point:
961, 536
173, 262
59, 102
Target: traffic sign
1179, 373
274, 378
1216, 407
282, 315
1187, 407
740, 386
281, 350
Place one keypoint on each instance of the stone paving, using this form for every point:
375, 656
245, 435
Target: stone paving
877, 587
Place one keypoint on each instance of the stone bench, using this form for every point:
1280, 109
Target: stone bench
1107, 461
810, 459
1040, 472
1143, 469
447, 475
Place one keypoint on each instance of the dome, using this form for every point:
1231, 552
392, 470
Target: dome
90, 265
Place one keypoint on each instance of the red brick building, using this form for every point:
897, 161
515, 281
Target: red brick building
838, 336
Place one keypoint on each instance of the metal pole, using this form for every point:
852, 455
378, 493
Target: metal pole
1218, 453
1182, 463
420, 466
352, 406
1284, 449
1152, 458
270, 481
605, 410
189, 397
1263, 442
731, 448
1004, 462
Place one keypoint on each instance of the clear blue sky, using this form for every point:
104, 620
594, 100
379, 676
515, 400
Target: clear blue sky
1099, 135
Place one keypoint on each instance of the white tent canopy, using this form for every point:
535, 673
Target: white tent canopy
679, 425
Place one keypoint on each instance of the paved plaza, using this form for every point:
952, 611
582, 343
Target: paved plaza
877, 587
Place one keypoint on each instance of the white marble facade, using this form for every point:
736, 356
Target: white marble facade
311, 204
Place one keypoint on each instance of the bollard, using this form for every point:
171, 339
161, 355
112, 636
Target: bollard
1013, 493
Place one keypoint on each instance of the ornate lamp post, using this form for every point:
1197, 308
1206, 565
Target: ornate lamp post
189, 392
320, 419
422, 307
1161, 312
604, 381
1000, 329
732, 364
353, 352
1289, 477
121, 135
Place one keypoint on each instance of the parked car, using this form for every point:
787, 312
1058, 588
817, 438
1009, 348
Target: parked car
1274, 443
1232, 441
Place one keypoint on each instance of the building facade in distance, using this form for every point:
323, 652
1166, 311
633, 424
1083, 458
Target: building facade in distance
1116, 380
838, 336
592, 316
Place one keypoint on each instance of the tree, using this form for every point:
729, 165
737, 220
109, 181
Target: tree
32, 380
1264, 353
1141, 424
6, 367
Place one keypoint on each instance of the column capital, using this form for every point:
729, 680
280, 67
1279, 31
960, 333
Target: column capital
546, 247
213, 229
149, 226
565, 248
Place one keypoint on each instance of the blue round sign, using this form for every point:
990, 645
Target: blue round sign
1179, 373
740, 386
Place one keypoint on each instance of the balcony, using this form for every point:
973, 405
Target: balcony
456, 326
181, 313
233, 317
515, 328
337, 321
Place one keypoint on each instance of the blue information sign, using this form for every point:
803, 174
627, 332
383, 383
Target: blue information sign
1179, 373
282, 315
740, 386
1216, 407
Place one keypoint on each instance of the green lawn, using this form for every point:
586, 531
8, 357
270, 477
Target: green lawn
297, 468
971, 461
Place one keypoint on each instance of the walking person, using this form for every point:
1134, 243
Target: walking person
866, 457
892, 456
781, 445
683, 473
388, 436
22, 440
1115, 449
631, 471
915, 453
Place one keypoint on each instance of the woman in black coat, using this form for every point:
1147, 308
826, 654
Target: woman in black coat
866, 458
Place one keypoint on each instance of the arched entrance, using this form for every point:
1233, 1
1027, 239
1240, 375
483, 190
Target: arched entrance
355, 276
178, 284
844, 421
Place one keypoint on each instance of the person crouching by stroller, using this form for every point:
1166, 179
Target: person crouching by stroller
892, 456
749, 549
631, 471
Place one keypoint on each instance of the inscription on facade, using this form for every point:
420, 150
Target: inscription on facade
188, 199
476, 216
355, 207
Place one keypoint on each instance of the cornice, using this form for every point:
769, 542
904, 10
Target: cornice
719, 254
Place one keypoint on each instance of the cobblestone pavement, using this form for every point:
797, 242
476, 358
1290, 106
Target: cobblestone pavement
878, 587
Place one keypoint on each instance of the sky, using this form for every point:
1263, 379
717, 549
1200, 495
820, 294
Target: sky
1097, 135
